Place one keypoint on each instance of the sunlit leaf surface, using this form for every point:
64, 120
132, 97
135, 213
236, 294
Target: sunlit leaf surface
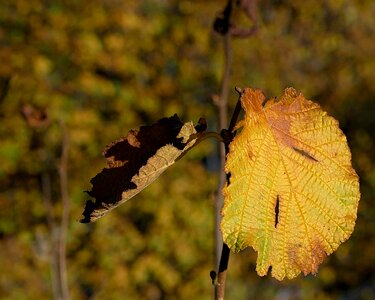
293, 194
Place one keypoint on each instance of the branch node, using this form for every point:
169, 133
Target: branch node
213, 276
227, 136
238, 90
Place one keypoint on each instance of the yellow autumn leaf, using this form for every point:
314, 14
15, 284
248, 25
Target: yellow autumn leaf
293, 194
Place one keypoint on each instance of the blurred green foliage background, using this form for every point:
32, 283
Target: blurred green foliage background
92, 70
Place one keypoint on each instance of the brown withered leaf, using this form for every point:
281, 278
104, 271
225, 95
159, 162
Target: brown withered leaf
35, 117
137, 160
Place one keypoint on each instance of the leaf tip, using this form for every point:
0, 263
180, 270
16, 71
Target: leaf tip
291, 92
89, 209
252, 100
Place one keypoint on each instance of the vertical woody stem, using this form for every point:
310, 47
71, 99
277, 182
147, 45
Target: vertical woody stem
228, 136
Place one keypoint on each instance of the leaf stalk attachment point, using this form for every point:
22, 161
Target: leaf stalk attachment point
227, 136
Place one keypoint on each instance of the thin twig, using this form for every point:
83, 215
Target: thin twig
63, 172
222, 274
221, 25
236, 111
224, 26
228, 136
223, 121
52, 230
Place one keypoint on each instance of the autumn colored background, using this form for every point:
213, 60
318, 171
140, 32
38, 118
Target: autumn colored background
76, 75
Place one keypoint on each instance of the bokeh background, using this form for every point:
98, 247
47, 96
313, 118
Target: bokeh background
76, 75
